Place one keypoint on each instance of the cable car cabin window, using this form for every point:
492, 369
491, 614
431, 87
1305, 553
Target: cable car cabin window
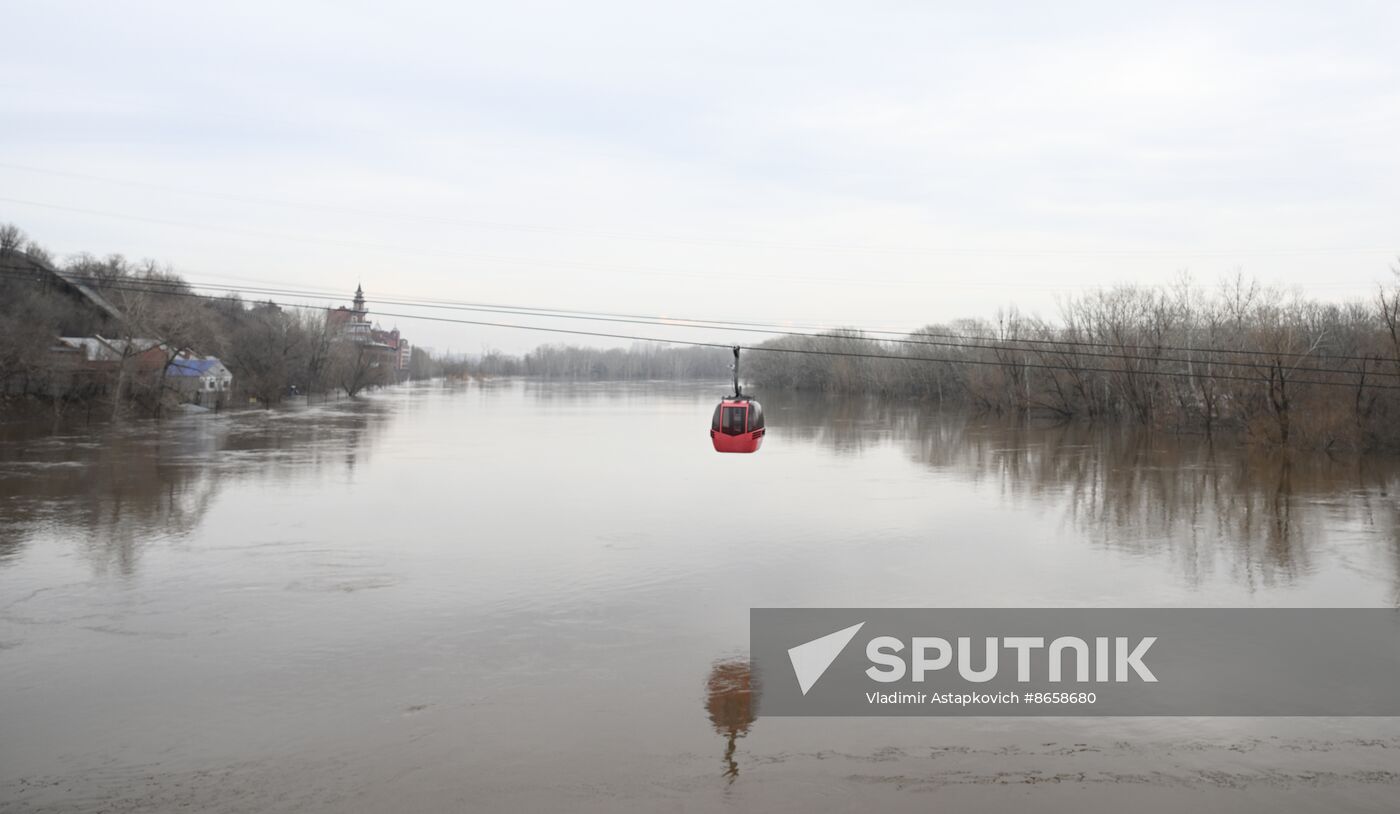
714, 421
732, 423
755, 416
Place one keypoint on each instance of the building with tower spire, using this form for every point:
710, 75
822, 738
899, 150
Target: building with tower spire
353, 324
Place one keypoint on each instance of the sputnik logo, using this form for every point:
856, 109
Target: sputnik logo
810, 660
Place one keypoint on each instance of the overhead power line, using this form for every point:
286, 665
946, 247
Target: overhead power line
166, 290
1063, 348
781, 327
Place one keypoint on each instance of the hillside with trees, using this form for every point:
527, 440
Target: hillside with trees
147, 319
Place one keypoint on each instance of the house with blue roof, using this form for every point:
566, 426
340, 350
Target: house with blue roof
204, 379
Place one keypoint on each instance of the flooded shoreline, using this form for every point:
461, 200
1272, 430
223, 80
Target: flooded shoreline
481, 596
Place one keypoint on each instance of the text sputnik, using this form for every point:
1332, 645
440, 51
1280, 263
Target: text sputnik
1111, 660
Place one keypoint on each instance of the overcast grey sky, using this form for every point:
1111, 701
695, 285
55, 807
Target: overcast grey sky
881, 164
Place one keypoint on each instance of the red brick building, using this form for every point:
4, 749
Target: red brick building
353, 324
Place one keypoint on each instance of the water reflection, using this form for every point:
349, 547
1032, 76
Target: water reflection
730, 704
1253, 517
308, 581
1158, 494
115, 488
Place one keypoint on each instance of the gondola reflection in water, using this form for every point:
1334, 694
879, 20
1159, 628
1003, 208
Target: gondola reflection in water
729, 700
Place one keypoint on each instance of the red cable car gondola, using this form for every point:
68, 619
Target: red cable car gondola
737, 425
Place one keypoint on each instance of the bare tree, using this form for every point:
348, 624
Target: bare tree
12, 237
357, 365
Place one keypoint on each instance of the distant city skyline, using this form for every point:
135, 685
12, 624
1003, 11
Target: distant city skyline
885, 167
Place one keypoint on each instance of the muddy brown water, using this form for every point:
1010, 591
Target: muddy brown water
528, 596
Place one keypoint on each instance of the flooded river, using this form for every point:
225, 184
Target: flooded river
526, 596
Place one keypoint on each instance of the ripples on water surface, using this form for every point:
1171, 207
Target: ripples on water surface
534, 596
